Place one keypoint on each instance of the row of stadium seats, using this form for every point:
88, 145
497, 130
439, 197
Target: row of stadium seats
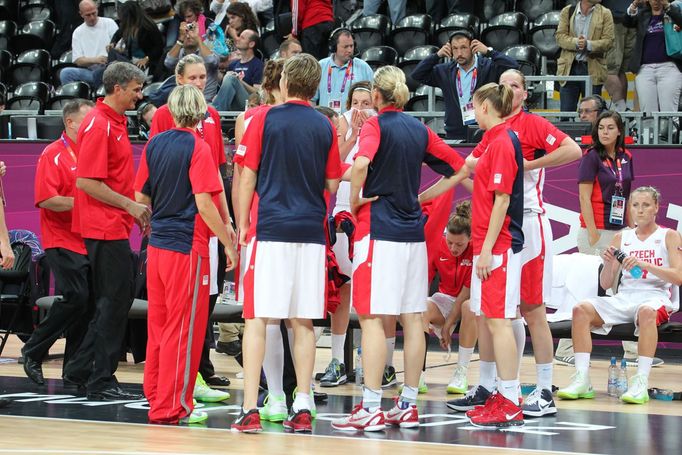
25, 11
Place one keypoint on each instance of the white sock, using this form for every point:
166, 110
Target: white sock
290, 335
302, 401
409, 394
520, 337
544, 371
488, 375
464, 356
273, 361
644, 365
510, 390
619, 105
582, 361
390, 347
337, 346
371, 399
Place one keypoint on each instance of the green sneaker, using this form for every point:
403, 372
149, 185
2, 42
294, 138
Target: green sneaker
274, 408
205, 394
458, 383
637, 392
579, 388
194, 418
388, 379
421, 388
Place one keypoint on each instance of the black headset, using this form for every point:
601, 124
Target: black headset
601, 103
463, 32
334, 38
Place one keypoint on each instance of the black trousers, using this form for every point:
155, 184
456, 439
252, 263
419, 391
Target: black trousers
315, 39
69, 314
112, 286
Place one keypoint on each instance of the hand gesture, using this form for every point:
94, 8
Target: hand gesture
582, 42
445, 51
231, 257
630, 262
7, 256
359, 202
608, 257
140, 212
446, 335
182, 31
484, 265
477, 46
593, 237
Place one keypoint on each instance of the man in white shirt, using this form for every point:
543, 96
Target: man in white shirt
89, 46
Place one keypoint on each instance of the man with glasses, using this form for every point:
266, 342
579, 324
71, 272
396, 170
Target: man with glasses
589, 109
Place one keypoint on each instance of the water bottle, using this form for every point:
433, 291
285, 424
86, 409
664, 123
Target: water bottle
636, 271
622, 383
612, 387
358, 367
228, 295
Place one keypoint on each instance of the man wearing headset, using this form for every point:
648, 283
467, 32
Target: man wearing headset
340, 70
472, 64
590, 107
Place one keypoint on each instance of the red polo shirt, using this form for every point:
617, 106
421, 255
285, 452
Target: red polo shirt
106, 155
56, 176
454, 271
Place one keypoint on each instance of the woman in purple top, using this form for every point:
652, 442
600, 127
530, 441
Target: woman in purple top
659, 77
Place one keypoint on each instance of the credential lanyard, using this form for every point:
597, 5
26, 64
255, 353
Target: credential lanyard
68, 147
349, 72
474, 78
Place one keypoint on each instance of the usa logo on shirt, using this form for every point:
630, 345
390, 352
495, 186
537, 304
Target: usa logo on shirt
550, 139
241, 150
497, 178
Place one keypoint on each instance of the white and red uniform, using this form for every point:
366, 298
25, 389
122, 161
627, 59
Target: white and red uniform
634, 293
454, 274
499, 168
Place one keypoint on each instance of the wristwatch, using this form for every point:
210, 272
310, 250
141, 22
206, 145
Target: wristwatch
490, 49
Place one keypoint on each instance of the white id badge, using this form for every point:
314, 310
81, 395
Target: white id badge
468, 115
335, 104
617, 210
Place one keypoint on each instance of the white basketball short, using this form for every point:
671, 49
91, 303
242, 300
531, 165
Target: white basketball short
445, 303
213, 265
341, 252
622, 308
285, 280
499, 295
389, 277
536, 257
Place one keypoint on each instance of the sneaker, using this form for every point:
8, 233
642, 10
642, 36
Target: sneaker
568, 361
360, 419
476, 396
501, 414
637, 390
579, 388
299, 422
194, 418
334, 375
389, 378
657, 362
478, 410
403, 414
539, 403
458, 383
274, 408
205, 394
313, 408
248, 422
422, 387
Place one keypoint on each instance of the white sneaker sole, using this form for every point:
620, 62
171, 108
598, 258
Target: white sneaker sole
541, 413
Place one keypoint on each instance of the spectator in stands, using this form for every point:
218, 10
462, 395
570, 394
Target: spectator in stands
145, 114
138, 40
192, 12
89, 46
312, 22
180, 191
618, 58
240, 17
643, 298
340, 70
585, 35
289, 48
190, 42
396, 8
65, 251
438, 9
658, 77
262, 8
243, 76
104, 211
472, 65
590, 108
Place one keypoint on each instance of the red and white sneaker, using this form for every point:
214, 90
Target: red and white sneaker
403, 414
248, 422
502, 413
478, 410
360, 419
299, 422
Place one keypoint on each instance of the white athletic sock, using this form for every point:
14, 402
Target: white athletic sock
290, 335
544, 371
302, 401
371, 399
464, 356
273, 361
582, 361
390, 347
644, 365
337, 346
520, 337
510, 390
409, 394
488, 375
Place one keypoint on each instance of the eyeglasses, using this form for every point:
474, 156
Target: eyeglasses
586, 111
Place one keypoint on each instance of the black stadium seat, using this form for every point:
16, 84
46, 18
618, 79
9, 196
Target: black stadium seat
370, 31
6, 59
99, 93
30, 66
504, 30
64, 61
528, 57
411, 31
8, 10
270, 40
454, 22
541, 34
108, 9
7, 30
34, 35
492, 8
378, 56
420, 103
67, 92
534, 8
149, 89
411, 59
35, 11
29, 96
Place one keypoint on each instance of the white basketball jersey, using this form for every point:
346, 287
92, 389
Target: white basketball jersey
652, 250
343, 193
